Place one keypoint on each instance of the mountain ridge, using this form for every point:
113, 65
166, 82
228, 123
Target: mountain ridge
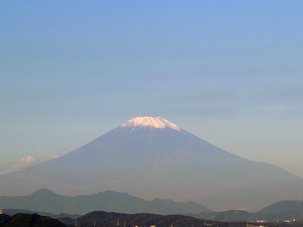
44, 200
29, 220
288, 210
280, 211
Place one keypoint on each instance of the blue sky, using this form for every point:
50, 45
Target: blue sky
229, 72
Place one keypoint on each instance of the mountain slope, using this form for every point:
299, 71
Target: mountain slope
152, 157
283, 207
280, 211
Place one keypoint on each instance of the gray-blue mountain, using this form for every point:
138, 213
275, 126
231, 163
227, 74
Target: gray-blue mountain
152, 157
44, 200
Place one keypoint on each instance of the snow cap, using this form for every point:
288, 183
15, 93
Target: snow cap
156, 122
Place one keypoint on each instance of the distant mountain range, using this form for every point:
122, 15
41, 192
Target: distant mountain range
153, 158
44, 200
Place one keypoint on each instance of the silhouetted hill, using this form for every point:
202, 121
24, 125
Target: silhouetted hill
111, 219
44, 200
28, 220
12, 212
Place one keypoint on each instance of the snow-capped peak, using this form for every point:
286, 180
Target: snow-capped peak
156, 122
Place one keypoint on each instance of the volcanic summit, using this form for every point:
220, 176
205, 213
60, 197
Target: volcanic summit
151, 157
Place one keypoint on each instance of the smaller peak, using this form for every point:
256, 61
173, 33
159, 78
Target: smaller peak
155, 122
43, 192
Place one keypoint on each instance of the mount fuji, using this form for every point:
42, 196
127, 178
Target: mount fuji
151, 157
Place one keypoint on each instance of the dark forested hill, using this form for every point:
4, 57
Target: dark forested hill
28, 220
112, 219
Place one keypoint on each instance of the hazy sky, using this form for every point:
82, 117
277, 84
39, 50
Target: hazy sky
230, 72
